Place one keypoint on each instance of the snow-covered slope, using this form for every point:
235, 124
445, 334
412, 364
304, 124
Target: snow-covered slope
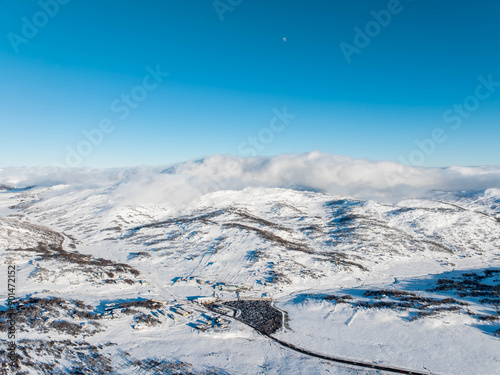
413, 284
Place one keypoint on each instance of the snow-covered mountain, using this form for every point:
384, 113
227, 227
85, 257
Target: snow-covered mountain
110, 275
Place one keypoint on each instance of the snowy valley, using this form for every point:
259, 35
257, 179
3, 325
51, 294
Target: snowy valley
108, 285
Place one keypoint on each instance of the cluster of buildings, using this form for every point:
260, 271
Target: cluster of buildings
219, 286
254, 310
215, 322
182, 310
113, 310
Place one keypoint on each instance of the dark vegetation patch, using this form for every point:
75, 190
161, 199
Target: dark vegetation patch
339, 299
137, 307
118, 228
243, 220
277, 277
179, 220
341, 203
257, 220
166, 367
311, 229
256, 255
342, 259
345, 226
428, 209
144, 303
270, 236
57, 253
130, 311
481, 289
398, 300
53, 314
80, 263
56, 358
289, 206
36, 233
147, 319
333, 257
485, 284
206, 218
163, 367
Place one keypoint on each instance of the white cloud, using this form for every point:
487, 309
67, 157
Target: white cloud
317, 171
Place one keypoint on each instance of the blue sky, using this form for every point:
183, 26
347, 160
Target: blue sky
231, 71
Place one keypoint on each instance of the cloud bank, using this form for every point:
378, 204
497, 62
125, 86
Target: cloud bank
311, 171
